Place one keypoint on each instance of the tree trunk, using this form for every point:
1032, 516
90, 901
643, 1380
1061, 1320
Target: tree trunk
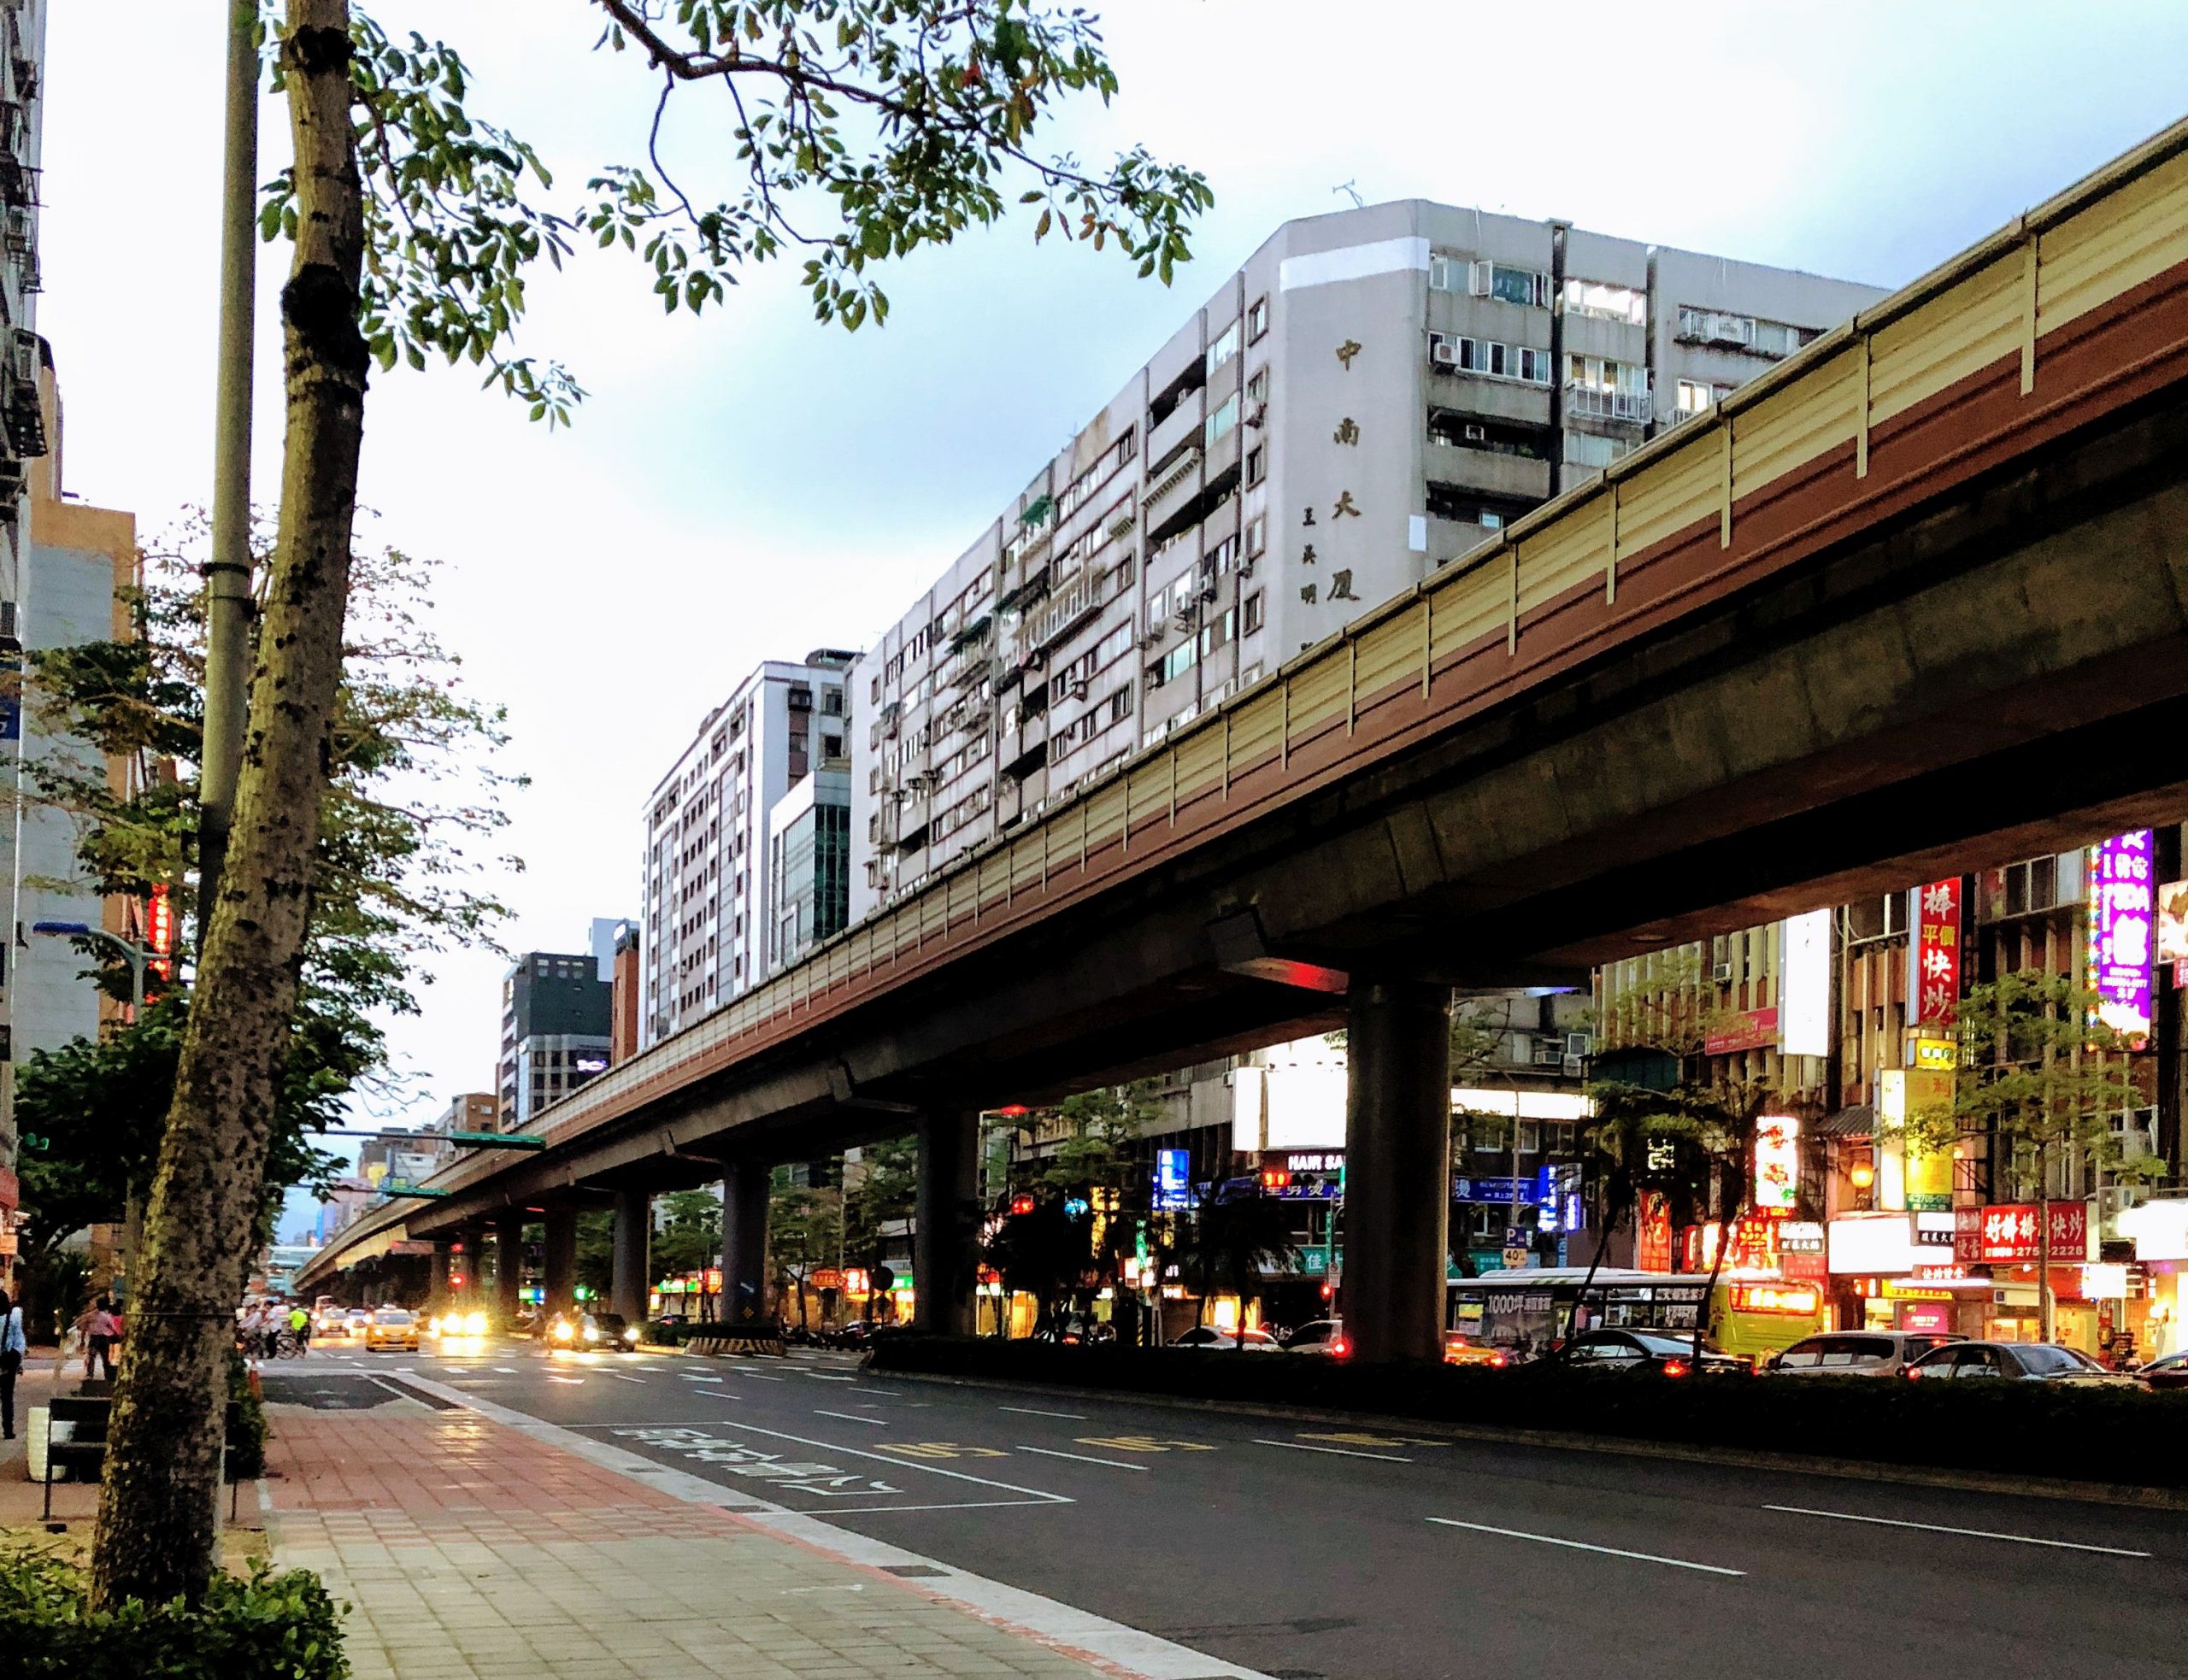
158, 1510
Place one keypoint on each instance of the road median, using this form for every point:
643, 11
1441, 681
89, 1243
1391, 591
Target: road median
2117, 1445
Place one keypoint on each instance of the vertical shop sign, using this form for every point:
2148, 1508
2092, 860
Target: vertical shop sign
1653, 1249
2122, 911
1804, 996
1934, 954
1777, 1164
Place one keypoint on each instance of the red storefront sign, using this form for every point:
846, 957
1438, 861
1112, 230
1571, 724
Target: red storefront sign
1749, 1030
1936, 954
2010, 1232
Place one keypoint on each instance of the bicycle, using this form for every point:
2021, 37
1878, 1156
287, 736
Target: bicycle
287, 1345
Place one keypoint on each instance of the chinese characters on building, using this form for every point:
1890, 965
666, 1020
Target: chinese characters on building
1936, 950
2122, 910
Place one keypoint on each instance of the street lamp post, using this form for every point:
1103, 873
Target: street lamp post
137, 956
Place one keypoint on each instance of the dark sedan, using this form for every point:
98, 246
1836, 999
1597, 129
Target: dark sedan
1649, 1352
2169, 1372
2019, 1361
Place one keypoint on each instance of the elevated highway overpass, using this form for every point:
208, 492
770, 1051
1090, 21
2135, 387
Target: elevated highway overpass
1917, 598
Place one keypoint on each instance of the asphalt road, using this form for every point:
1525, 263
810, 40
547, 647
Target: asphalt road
1313, 1553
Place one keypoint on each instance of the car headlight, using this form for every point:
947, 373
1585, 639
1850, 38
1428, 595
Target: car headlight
563, 1332
591, 1333
632, 1334
476, 1324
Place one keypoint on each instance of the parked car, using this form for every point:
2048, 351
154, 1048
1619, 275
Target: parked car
1866, 1353
1654, 1353
2020, 1361
1323, 1337
2169, 1372
392, 1327
1208, 1338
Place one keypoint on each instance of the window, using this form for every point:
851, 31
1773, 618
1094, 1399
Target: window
1256, 320
1606, 302
1256, 535
1695, 397
1486, 356
1453, 501
1250, 617
1121, 705
1511, 285
1584, 448
1466, 431
1224, 347
1222, 422
1256, 465
1257, 387
1175, 663
1774, 339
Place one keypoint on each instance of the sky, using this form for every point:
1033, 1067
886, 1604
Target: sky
751, 484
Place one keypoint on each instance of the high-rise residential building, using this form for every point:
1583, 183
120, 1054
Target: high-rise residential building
25, 378
626, 986
705, 925
555, 1020
810, 863
1373, 394
474, 1111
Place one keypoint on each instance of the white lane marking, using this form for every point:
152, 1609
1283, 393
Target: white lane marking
737, 1425
966, 1504
553, 1378
851, 1416
1583, 1545
1972, 1534
892, 1393
620, 1377
1342, 1452
695, 1377
827, 1376
1036, 1411
1081, 1458
506, 1370
762, 1377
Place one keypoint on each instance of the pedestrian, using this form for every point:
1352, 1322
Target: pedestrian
100, 1331
13, 1344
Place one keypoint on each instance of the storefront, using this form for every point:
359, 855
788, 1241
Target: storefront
2151, 1311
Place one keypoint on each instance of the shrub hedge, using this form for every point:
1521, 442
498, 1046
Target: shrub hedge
268, 1627
2045, 1430
247, 1452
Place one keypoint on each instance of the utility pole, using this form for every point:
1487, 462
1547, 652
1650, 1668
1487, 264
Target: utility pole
227, 574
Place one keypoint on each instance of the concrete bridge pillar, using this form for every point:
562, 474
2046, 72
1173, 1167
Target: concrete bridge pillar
634, 1226
562, 1280
943, 1262
1397, 1175
509, 1267
744, 1243
437, 1297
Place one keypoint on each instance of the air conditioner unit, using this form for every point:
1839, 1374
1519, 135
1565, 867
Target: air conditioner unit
1184, 617
1245, 568
1548, 1054
1475, 434
23, 355
1076, 690
1722, 973
1444, 352
1209, 589
1122, 522
1575, 1066
1726, 329
1259, 417
1580, 1044
1152, 639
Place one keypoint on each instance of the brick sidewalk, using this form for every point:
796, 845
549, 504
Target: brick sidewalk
468, 1552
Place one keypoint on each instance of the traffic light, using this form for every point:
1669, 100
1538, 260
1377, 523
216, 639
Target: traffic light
456, 1280
1021, 1203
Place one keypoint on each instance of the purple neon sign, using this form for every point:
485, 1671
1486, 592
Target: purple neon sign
2121, 917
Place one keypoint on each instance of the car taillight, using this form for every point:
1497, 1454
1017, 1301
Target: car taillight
1498, 1360
1675, 1367
1340, 1350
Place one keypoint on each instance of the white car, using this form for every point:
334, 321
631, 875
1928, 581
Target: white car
1857, 1353
1209, 1337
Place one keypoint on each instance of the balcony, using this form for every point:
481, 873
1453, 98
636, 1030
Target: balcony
1173, 500
1487, 471
1178, 429
1064, 614
1491, 399
1594, 402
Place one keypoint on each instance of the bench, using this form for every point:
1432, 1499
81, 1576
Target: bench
84, 1446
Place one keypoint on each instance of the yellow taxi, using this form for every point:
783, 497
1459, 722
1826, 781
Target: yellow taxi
1469, 1350
392, 1327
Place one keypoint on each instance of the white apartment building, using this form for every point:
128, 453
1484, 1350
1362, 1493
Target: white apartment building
1374, 393
705, 921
